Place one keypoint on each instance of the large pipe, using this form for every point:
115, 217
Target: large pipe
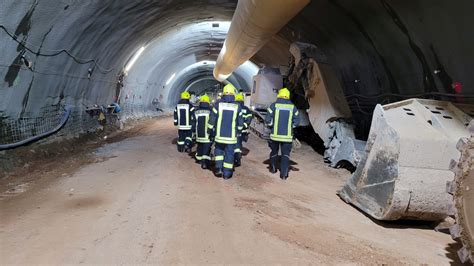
253, 24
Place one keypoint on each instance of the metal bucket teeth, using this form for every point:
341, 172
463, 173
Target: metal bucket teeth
463, 193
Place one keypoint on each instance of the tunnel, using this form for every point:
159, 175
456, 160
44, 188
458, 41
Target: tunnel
62, 61
382, 51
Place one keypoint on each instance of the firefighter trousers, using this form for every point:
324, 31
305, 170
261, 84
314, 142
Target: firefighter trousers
285, 155
185, 140
203, 153
224, 157
238, 151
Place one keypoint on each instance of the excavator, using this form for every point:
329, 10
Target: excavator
404, 170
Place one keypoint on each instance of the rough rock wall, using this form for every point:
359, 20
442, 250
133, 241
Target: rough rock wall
387, 50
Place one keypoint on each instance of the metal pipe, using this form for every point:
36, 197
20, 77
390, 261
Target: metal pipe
253, 24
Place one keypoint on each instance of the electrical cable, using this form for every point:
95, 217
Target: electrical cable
410, 95
58, 52
354, 100
360, 109
56, 74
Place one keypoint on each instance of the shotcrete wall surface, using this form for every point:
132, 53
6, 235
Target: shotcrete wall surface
382, 50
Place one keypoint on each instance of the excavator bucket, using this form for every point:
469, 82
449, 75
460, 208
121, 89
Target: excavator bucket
463, 195
405, 168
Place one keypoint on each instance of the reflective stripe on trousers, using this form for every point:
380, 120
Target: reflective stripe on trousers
203, 152
226, 152
184, 139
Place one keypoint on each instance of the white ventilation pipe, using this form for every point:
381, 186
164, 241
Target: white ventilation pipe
253, 24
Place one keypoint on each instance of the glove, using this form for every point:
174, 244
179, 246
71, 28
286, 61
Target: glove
245, 137
211, 133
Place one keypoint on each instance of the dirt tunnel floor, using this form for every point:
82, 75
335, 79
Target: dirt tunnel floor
146, 203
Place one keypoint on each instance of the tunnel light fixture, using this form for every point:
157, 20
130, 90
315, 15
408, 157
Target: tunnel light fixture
134, 58
170, 79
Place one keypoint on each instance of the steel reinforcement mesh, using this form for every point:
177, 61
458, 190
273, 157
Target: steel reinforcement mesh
14, 130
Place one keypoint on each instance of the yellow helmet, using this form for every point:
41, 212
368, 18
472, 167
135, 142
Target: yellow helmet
239, 97
229, 89
284, 94
185, 95
205, 99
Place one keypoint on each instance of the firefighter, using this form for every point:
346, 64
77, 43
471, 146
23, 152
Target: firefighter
247, 117
282, 117
183, 119
204, 142
226, 124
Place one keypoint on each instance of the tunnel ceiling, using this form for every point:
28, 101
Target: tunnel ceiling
375, 47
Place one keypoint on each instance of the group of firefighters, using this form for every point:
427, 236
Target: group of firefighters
226, 125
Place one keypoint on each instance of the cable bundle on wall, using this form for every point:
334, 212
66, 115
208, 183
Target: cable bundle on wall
58, 52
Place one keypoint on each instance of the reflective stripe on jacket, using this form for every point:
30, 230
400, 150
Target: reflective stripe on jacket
202, 120
183, 115
227, 121
282, 117
248, 116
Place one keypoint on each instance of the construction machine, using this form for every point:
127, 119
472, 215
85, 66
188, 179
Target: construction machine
264, 92
405, 168
462, 189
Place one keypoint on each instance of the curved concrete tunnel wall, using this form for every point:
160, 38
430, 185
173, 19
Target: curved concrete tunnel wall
107, 31
169, 59
175, 58
387, 46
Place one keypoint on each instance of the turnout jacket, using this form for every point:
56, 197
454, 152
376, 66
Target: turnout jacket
184, 115
201, 122
226, 121
282, 117
247, 116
